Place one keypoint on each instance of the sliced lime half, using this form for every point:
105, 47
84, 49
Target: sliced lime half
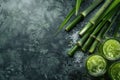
114, 71
111, 49
96, 65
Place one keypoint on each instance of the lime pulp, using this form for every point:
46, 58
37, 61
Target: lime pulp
114, 71
111, 49
96, 65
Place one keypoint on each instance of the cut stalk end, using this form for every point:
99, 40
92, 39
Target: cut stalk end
92, 48
74, 22
84, 30
72, 51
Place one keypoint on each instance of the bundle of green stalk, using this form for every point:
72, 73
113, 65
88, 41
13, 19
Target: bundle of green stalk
80, 16
93, 33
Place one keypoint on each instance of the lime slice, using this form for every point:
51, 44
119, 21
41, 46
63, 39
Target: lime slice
111, 49
114, 71
96, 65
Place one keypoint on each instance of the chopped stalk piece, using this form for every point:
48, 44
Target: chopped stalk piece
79, 43
94, 20
98, 39
92, 36
84, 38
74, 22
72, 51
107, 26
83, 14
97, 29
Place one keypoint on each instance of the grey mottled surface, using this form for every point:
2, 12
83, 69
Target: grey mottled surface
28, 49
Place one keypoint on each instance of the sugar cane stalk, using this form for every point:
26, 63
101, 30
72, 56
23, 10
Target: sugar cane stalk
83, 14
93, 35
102, 32
98, 39
79, 43
94, 20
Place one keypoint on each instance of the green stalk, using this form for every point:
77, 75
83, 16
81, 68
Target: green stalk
84, 38
78, 3
98, 39
70, 14
118, 13
72, 51
97, 29
83, 14
74, 22
90, 39
94, 20
79, 43
103, 31
92, 36
94, 4
112, 6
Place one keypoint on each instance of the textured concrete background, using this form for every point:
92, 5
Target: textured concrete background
28, 48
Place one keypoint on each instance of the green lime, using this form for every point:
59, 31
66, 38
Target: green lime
114, 71
111, 49
96, 65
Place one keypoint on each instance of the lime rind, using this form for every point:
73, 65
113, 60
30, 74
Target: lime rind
96, 65
114, 71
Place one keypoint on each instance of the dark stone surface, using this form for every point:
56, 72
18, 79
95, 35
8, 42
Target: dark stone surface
28, 48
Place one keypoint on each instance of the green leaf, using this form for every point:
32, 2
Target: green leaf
70, 14
78, 3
